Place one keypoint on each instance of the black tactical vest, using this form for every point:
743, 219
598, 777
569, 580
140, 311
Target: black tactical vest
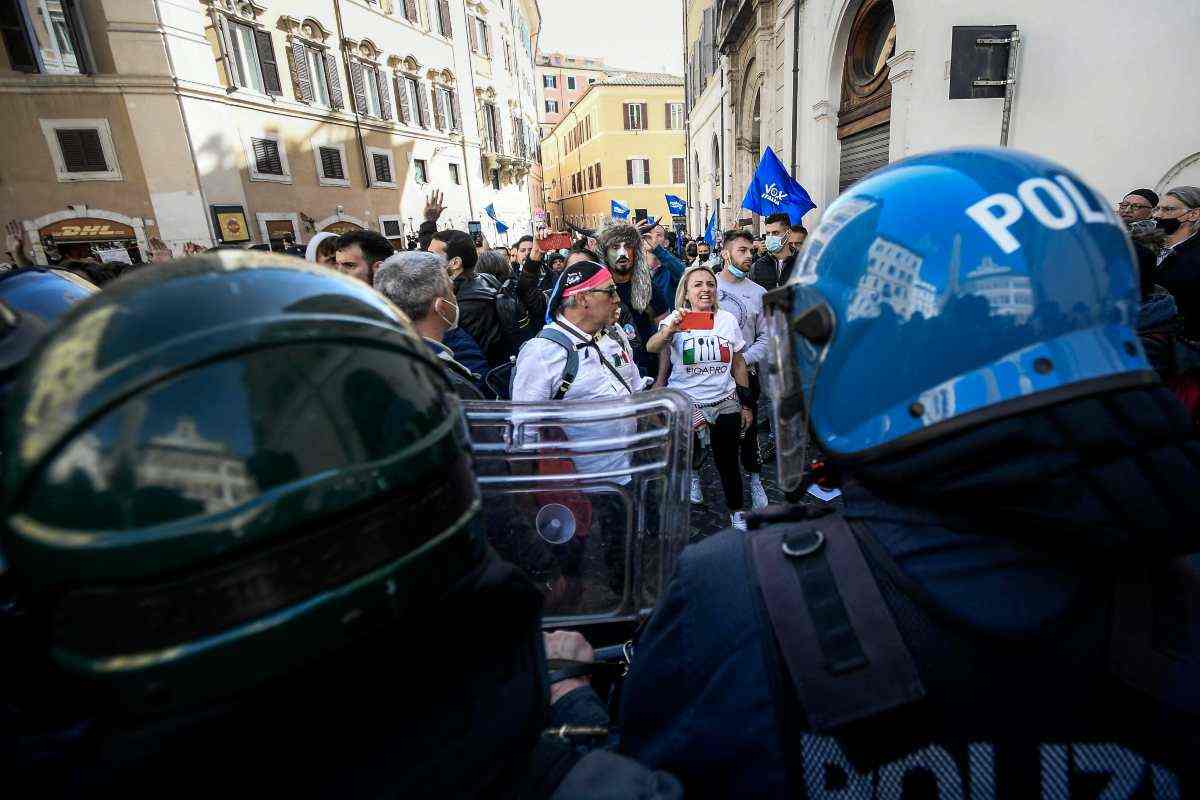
881, 695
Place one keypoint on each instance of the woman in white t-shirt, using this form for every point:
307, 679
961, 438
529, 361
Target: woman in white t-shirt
707, 366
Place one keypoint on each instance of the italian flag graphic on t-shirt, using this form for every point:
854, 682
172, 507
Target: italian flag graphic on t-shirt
704, 349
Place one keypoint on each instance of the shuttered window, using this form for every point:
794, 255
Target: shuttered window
45, 37
312, 77
300, 59
266, 61
422, 105
439, 115
391, 228
637, 171
383, 168
20, 50
266, 157
677, 170
331, 163
335, 82
494, 135
485, 40
674, 116
249, 57
635, 116
404, 102
451, 104
443, 10
862, 154
599, 182
410, 11
81, 150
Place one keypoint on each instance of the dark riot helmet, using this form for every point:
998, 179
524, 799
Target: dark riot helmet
214, 470
32, 299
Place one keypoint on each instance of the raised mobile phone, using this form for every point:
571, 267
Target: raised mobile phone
696, 321
473, 227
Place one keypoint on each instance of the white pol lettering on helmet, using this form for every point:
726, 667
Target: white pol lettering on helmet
997, 226
998, 212
1028, 191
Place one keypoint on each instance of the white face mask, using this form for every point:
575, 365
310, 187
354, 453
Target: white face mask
450, 325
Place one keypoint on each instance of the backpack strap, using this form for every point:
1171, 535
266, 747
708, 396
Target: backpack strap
839, 641
572, 367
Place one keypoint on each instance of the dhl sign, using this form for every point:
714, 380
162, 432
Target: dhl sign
88, 229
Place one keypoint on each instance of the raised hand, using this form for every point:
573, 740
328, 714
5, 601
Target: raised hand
434, 206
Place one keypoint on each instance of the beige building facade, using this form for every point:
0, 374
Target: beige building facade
248, 121
623, 141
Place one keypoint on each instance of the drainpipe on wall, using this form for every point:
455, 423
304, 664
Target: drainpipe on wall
795, 79
721, 200
687, 104
362, 147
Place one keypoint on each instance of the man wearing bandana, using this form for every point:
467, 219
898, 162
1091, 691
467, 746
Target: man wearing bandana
581, 309
642, 302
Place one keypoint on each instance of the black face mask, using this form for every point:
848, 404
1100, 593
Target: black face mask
1168, 225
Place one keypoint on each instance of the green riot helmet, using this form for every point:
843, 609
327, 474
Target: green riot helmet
216, 470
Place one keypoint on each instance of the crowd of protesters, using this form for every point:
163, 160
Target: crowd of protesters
478, 305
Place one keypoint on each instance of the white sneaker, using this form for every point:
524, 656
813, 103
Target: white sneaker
697, 494
758, 494
738, 519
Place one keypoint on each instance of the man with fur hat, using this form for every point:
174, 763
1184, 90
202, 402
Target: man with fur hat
642, 302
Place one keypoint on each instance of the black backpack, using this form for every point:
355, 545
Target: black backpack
503, 388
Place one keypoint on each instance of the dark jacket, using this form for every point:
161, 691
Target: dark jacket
667, 276
766, 273
478, 316
1159, 326
1179, 273
467, 384
1003, 545
466, 351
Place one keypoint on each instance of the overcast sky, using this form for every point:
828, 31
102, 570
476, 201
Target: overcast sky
634, 34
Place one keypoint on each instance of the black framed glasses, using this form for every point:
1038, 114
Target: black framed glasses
610, 291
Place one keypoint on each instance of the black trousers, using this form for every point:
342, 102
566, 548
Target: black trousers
724, 435
751, 457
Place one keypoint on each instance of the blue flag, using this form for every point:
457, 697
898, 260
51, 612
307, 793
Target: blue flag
676, 205
620, 210
773, 191
710, 232
491, 212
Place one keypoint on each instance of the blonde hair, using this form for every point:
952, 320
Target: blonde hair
681, 300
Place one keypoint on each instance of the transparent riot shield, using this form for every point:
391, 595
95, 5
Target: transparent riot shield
589, 498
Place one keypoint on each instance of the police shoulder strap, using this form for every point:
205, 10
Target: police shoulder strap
841, 646
1153, 646
572, 367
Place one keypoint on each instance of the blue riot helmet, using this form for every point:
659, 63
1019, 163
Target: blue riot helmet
947, 290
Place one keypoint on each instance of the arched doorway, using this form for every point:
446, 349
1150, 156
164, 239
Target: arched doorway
866, 104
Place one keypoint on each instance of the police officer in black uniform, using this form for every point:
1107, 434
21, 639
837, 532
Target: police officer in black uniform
1001, 608
245, 538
